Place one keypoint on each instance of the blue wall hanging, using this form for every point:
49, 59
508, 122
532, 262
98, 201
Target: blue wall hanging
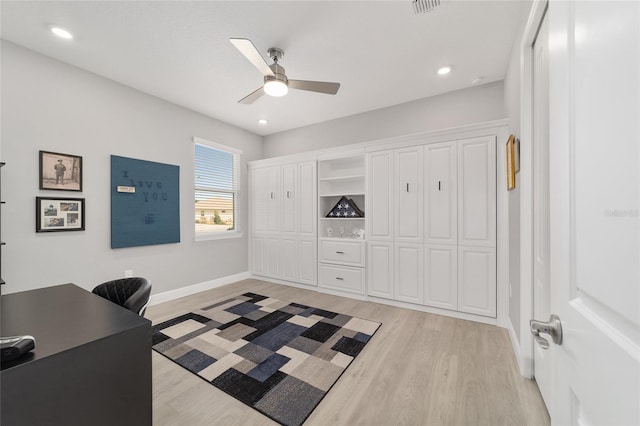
145, 203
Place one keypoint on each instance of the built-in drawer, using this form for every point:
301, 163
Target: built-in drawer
342, 252
343, 278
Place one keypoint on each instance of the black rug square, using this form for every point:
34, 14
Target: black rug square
283, 351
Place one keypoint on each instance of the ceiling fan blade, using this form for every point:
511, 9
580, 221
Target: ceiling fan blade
315, 86
252, 97
251, 53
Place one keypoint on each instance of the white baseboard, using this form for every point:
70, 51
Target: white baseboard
197, 288
515, 344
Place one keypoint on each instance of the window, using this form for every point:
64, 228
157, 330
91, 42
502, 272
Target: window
217, 180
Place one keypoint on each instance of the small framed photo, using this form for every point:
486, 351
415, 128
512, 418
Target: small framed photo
60, 172
59, 214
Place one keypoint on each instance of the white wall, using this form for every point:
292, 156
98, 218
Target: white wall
468, 106
52, 106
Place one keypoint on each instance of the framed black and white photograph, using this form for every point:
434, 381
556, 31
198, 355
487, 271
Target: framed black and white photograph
60, 172
59, 214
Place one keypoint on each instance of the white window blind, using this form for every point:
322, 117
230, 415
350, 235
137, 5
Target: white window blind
217, 184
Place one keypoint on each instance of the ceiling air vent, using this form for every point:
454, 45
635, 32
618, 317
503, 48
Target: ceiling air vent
424, 6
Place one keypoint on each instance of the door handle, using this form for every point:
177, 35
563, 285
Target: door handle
339, 252
407, 187
438, 185
340, 278
553, 328
288, 194
272, 195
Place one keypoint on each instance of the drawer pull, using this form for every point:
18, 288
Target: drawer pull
340, 278
339, 252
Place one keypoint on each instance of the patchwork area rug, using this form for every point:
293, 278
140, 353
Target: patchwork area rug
278, 357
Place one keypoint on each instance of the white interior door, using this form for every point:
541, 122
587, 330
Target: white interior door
594, 83
541, 283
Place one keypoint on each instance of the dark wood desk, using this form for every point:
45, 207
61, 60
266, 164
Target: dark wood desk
91, 364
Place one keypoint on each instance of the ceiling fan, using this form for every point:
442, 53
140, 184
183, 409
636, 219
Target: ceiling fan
276, 82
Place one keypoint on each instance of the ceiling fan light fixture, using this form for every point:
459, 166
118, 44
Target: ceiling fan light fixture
275, 88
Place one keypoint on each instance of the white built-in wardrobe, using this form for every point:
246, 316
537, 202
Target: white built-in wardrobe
430, 221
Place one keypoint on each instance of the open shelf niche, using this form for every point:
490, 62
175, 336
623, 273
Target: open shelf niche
337, 178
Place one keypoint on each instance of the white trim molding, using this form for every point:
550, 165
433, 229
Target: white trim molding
526, 186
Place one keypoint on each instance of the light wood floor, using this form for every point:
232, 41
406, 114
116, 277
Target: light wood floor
418, 369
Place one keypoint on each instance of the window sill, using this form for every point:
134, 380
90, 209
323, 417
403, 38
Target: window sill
216, 236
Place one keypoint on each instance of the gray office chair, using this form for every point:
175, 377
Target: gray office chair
130, 293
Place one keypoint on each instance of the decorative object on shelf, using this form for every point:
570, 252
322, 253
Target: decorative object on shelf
511, 173
357, 233
59, 214
345, 208
145, 203
341, 231
60, 172
330, 232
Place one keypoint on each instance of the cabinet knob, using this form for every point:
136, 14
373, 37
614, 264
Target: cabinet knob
340, 278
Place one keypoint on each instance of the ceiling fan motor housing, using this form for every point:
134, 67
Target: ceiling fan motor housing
278, 72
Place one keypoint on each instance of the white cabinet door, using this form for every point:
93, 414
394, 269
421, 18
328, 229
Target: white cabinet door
307, 261
408, 272
477, 192
257, 256
380, 184
258, 200
380, 269
272, 257
440, 193
477, 280
273, 199
307, 211
289, 258
288, 206
441, 276
408, 208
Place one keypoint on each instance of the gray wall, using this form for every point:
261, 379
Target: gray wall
468, 106
512, 111
48, 105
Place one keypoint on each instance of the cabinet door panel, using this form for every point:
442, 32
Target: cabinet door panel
307, 211
408, 271
441, 272
288, 206
289, 258
257, 256
440, 195
408, 208
307, 261
258, 200
380, 270
477, 192
273, 199
477, 280
272, 257
380, 196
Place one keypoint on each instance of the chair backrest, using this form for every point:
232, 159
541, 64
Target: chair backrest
131, 293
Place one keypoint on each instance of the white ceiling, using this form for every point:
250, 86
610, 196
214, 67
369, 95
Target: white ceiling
380, 51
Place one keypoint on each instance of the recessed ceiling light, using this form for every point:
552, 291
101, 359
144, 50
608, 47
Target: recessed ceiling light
262, 121
477, 80
62, 33
444, 70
